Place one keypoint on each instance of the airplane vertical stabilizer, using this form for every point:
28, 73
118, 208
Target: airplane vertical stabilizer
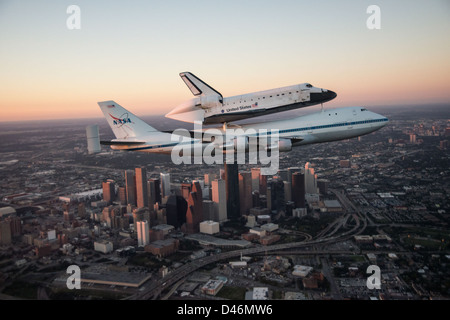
123, 123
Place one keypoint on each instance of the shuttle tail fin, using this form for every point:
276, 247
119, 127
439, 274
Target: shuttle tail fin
123, 123
197, 86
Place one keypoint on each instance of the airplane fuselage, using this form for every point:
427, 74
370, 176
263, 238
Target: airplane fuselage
324, 126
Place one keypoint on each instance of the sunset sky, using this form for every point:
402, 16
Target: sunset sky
133, 51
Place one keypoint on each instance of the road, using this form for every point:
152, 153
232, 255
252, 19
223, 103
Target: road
154, 289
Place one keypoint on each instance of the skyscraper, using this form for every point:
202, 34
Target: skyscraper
130, 184
245, 192
165, 184
287, 191
310, 180
219, 197
256, 172
122, 194
143, 233
276, 193
141, 188
322, 184
154, 193
186, 190
262, 184
109, 191
194, 214
232, 186
298, 189
176, 208
291, 171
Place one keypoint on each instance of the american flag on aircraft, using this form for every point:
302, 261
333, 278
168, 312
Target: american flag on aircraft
110, 106
255, 105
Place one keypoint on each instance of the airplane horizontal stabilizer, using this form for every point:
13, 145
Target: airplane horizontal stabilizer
121, 143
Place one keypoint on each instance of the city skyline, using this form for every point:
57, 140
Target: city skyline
381, 199
134, 53
140, 226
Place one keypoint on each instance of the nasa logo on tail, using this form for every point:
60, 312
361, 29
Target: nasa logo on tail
124, 119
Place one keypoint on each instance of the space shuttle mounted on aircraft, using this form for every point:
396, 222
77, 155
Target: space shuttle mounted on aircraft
210, 107
133, 134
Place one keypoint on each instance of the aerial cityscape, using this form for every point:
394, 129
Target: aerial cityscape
225, 158
140, 227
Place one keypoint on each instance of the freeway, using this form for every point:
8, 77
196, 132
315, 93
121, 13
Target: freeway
154, 289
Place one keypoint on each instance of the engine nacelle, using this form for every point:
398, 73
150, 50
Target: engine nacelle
283, 145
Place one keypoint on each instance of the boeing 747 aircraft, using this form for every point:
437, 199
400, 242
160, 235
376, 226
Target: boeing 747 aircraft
210, 107
133, 134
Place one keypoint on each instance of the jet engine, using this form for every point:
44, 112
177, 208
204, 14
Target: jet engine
283, 145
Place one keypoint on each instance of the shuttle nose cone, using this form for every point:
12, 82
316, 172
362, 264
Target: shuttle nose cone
328, 95
324, 96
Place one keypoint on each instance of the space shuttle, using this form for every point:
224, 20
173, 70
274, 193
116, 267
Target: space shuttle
210, 107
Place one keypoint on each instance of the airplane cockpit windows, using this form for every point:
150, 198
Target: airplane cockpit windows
309, 85
363, 109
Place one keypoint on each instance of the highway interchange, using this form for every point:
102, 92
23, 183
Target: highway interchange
329, 235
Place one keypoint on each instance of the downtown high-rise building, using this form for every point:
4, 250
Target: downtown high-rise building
310, 180
141, 188
130, 185
165, 184
122, 195
291, 171
219, 197
275, 195
245, 192
232, 187
109, 191
298, 189
143, 233
194, 214
186, 189
154, 193
256, 173
176, 208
